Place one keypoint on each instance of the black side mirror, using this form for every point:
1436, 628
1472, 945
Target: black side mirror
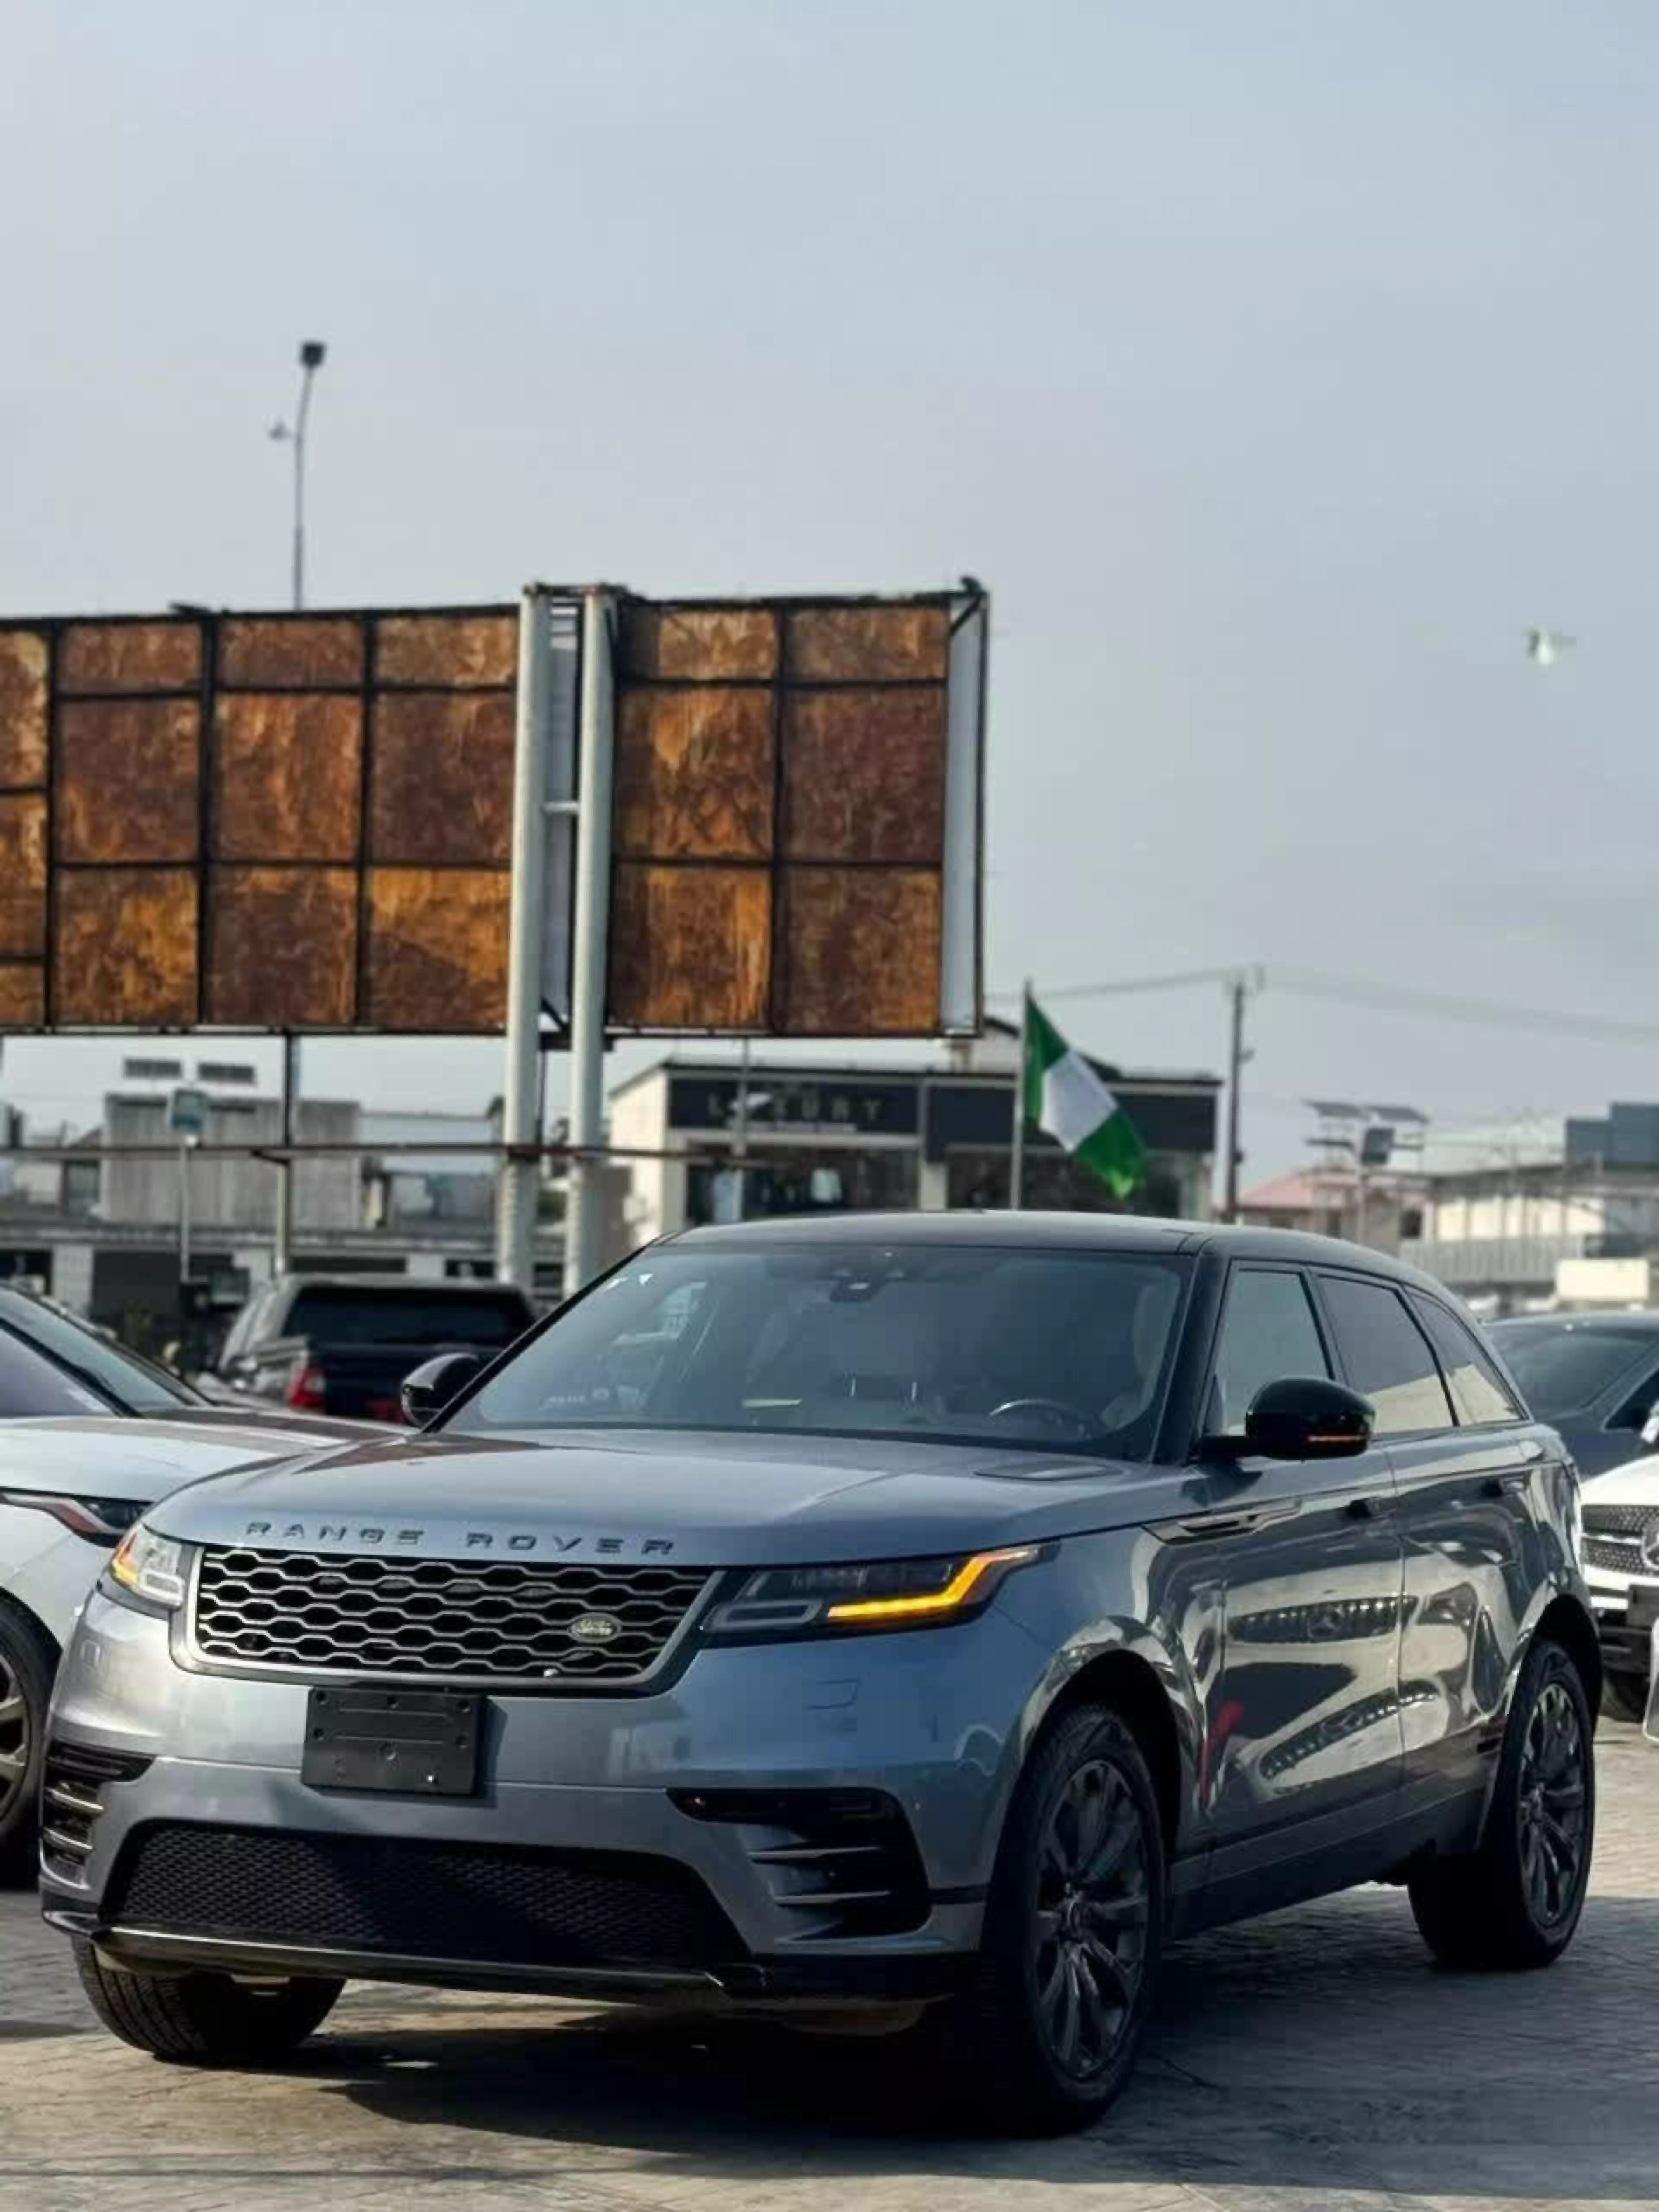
1303, 1417
436, 1384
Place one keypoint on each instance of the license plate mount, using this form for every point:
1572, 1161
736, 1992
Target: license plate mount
405, 1743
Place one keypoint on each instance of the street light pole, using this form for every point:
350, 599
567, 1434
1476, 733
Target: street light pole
313, 353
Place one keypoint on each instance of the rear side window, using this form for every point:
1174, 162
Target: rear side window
336, 1315
1386, 1355
1478, 1389
1268, 1333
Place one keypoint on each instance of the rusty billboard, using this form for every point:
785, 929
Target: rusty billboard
304, 823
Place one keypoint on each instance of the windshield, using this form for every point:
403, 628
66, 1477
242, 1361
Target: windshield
1063, 1350
1562, 1370
121, 1375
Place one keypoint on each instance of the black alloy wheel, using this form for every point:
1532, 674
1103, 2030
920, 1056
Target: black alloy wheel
1089, 1923
1554, 1805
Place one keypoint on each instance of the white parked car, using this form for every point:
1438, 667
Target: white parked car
1621, 1566
70, 1487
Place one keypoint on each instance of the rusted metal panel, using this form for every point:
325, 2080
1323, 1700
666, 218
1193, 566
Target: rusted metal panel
287, 776
23, 876
129, 774
130, 656
448, 652
442, 777
124, 947
25, 660
281, 948
863, 775
869, 644
23, 997
726, 644
694, 774
290, 650
437, 949
860, 954
690, 947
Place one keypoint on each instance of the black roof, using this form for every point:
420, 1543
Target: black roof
1044, 1231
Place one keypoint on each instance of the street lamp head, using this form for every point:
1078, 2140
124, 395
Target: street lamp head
312, 353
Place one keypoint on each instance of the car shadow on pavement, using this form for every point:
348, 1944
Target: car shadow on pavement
1317, 2050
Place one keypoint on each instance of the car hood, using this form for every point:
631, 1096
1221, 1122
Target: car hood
1636, 1483
702, 1499
133, 1459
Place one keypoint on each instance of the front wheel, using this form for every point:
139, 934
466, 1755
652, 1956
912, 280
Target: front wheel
1048, 2033
204, 2020
27, 1665
1517, 1900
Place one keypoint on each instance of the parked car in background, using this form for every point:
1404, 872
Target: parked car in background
897, 1621
1621, 1566
1593, 1377
343, 1344
69, 1490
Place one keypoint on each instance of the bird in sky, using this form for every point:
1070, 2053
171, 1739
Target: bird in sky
1545, 647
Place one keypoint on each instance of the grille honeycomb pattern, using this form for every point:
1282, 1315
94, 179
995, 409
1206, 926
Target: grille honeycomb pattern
489, 1622
1615, 1555
429, 1900
1630, 1521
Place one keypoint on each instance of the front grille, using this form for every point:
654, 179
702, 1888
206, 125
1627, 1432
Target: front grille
485, 1905
1616, 1555
73, 1778
489, 1622
1619, 1520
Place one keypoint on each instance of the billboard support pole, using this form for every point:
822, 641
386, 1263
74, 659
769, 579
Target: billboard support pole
281, 1257
584, 1222
516, 1191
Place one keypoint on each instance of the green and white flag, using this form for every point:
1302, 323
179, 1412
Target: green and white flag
1066, 1097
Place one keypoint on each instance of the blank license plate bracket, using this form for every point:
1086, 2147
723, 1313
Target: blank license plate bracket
407, 1743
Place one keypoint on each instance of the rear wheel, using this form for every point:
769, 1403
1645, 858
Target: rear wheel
1515, 1901
1048, 2033
27, 1667
204, 2020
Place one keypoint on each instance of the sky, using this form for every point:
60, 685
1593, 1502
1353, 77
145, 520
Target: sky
1275, 364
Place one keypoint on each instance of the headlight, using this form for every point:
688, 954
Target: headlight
151, 1568
883, 1593
99, 1519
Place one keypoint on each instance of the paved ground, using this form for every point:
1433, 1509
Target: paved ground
1313, 2061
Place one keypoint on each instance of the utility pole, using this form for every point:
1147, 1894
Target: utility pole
1017, 1161
313, 353
1238, 991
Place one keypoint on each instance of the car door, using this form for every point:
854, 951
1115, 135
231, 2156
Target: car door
1303, 1727
1463, 1510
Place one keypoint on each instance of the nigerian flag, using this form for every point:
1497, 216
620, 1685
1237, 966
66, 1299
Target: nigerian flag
1065, 1097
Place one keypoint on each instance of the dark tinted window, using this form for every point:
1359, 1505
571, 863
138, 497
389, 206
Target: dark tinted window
1268, 1332
1387, 1356
31, 1384
1565, 1369
1478, 1389
1068, 1350
430, 1315
132, 1383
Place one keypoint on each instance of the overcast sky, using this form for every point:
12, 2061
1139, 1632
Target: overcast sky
1275, 364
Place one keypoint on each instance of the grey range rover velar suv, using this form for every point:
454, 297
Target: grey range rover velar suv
906, 1622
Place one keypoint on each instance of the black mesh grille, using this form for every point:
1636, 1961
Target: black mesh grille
489, 1622
1616, 1555
1631, 1521
429, 1900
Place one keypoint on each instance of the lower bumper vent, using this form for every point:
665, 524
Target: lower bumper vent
844, 1860
488, 1906
71, 1800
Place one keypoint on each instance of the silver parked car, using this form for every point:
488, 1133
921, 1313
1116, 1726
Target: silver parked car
902, 1621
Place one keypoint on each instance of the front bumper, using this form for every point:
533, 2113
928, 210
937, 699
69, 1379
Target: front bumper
928, 1724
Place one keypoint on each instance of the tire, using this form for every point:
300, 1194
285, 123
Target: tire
203, 2019
1624, 1697
28, 1664
1514, 1902
1047, 2033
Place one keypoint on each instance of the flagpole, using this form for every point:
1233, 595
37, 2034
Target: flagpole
1016, 1165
